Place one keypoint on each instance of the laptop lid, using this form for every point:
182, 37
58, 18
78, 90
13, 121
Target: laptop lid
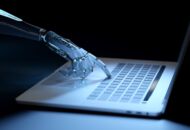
180, 90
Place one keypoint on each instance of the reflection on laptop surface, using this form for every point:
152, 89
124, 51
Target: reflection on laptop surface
137, 87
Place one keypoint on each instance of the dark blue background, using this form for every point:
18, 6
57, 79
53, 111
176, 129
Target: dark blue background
131, 30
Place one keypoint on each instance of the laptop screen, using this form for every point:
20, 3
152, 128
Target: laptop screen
179, 100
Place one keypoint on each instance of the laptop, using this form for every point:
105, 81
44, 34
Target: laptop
137, 87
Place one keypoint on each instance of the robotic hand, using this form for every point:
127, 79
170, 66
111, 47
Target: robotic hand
81, 62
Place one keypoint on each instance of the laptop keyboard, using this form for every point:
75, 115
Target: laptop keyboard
129, 83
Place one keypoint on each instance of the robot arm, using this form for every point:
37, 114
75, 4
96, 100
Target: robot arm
12, 25
81, 61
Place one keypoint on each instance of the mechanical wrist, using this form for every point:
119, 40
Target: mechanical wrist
64, 47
